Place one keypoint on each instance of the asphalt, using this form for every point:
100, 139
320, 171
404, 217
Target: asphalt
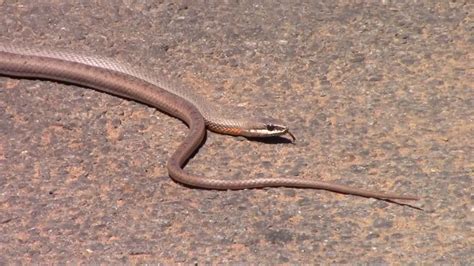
379, 95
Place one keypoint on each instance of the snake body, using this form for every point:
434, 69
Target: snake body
120, 79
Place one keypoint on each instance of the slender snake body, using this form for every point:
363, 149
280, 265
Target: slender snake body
120, 79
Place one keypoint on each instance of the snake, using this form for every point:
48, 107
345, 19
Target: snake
121, 79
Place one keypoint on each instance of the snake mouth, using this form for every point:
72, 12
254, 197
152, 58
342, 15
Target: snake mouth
293, 138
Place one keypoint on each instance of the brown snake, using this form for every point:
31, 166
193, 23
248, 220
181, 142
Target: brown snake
120, 79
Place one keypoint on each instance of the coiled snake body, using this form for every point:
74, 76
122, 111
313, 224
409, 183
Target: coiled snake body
119, 79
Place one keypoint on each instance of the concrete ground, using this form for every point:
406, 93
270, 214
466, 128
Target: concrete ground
379, 95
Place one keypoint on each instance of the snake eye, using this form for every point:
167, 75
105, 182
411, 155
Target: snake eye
270, 127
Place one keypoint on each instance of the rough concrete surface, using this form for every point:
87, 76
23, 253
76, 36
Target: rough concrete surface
378, 93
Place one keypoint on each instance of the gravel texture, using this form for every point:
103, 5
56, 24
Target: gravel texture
379, 95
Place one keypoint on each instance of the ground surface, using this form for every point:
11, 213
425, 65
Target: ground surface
379, 95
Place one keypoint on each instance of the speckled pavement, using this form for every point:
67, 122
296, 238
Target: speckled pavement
379, 95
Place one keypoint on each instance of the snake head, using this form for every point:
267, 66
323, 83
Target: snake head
267, 128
